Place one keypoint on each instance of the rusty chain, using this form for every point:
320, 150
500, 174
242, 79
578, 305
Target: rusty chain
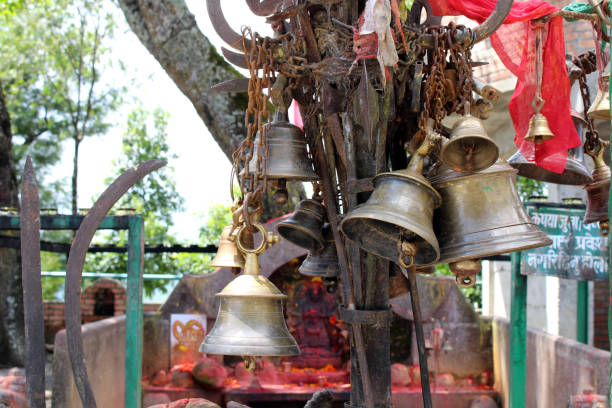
253, 183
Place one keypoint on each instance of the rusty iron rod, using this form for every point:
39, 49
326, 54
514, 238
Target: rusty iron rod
32, 289
418, 327
74, 269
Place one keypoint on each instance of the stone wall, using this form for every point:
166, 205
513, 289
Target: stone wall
557, 367
104, 354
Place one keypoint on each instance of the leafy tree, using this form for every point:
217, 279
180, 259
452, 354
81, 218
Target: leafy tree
529, 187
53, 56
155, 197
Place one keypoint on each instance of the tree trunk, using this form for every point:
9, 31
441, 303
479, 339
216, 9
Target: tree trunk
169, 31
11, 295
75, 174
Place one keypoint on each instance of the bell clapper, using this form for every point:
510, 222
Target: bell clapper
604, 228
281, 195
465, 272
465, 281
249, 363
406, 250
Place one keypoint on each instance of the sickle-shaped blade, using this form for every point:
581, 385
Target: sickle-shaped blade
74, 271
32, 291
494, 21
221, 26
235, 58
233, 85
263, 8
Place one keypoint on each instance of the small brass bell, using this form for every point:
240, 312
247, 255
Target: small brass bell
465, 272
600, 108
287, 156
469, 147
396, 221
575, 172
322, 263
251, 320
303, 227
539, 131
598, 192
482, 215
228, 255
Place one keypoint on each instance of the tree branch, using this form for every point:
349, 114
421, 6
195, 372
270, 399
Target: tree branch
169, 31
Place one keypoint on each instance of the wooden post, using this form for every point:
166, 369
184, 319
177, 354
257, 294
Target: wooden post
518, 333
133, 319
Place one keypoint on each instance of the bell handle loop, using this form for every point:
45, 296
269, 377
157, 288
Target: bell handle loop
597, 153
537, 104
418, 159
262, 246
465, 281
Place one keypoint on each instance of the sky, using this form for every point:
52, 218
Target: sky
201, 170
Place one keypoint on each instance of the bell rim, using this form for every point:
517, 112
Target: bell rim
579, 176
443, 178
292, 350
406, 174
421, 234
448, 254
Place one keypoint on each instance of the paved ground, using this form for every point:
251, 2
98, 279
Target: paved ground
48, 377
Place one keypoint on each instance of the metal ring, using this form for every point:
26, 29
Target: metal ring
260, 248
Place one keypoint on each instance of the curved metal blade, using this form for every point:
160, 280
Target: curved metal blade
32, 290
263, 8
233, 85
74, 271
494, 21
236, 58
221, 26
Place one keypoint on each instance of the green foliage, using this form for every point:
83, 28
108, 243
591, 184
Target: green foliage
474, 294
53, 59
155, 197
529, 187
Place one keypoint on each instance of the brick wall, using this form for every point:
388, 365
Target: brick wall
103, 291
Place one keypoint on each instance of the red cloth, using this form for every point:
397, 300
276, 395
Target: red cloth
514, 42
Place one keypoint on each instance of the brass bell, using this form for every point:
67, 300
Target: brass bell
465, 272
575, 172
303, 227
324, 262
250, 320
469, 147
600, 108
482, 215
227, 255
396, 221
538, 131
598, 192
287, 156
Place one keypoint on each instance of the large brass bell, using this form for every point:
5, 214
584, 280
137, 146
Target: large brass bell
482, 215
303, 227
575, 172
322, 263
600, 108
469, 147
598, 192
396, 221
539, 131
251, 320
287, 157
228, 255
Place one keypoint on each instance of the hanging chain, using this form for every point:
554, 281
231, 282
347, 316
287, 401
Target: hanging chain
461, 56
587, 63
253, 181
537, 99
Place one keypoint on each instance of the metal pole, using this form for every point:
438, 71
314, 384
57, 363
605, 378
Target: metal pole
418, 327
582, 318
133, 322
518, 333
